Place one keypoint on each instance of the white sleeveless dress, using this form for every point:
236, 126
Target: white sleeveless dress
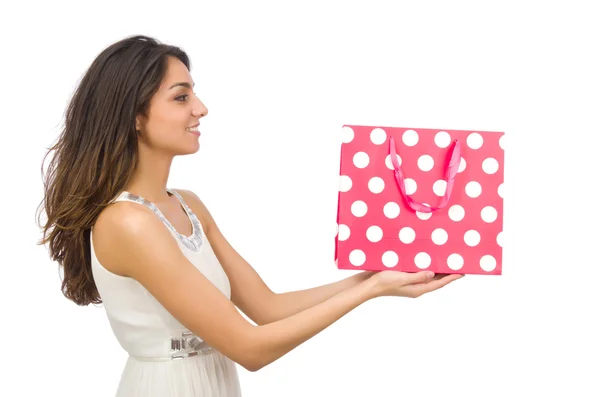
165, 358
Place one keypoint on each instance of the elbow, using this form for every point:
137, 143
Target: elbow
253, 361
267, 313
250, 364
252, 367
262, 320
255, 356
249, 346
266, 309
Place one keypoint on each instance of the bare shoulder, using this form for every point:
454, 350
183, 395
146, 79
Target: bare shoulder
121, 215
118, 230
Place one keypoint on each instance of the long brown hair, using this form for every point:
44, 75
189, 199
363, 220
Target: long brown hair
96, 152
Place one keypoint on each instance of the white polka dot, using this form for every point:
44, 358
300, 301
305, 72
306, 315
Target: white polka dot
462, 165
424, 215
410, 137
501, 142
343, 232
345, 183
376, 185
489, 214
425, 162
472, 238
359, 208
361, 160
456, 213
410, 185
442, 139
378, 136
455, 261
500, 239
473, 189
439, 187
347, 134
490, 165
388, 161
374, 234
407, 235
501, 190
357, 257
474, 140
439, 237
391, 210
389, 259
487, 263
422, 260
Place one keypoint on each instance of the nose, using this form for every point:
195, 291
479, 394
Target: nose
198, 109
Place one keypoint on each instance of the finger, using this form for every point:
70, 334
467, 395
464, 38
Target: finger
436, 284
437, 276
419, 277
439, 283
448, 278
451, 276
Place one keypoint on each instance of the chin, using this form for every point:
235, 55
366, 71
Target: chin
190, 150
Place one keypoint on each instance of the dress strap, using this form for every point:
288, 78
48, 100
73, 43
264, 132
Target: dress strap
126, 196
187, 209
194, 242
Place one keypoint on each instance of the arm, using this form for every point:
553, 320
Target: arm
249, 292
286, 304
136, 243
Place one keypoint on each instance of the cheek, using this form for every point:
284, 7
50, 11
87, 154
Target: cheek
165, 133
158, 132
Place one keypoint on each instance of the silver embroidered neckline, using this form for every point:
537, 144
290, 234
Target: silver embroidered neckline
194, 241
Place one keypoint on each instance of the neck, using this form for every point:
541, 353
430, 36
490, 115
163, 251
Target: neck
151, 175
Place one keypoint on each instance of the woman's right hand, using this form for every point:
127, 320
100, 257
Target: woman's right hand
410, 285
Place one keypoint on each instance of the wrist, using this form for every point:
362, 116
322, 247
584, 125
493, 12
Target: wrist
371, 286
362, 276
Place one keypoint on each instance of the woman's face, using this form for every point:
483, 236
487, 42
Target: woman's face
172, 122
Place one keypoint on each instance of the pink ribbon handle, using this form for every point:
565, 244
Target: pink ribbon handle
450, 172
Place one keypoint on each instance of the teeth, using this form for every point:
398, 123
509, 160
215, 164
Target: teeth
192, 129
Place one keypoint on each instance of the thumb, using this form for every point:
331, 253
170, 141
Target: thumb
420, 277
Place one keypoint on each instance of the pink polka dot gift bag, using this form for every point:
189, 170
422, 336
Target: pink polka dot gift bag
420, 199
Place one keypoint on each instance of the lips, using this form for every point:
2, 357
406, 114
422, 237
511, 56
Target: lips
193, 129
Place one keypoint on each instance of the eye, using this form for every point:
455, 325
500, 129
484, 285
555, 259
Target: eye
181, 98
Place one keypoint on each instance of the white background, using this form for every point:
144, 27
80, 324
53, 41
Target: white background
280, 79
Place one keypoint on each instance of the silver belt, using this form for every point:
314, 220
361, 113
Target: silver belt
188, 345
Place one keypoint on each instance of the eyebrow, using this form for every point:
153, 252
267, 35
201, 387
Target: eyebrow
182, 84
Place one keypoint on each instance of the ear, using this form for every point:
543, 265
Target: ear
139, 123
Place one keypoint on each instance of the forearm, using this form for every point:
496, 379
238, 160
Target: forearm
273, 340
286, 304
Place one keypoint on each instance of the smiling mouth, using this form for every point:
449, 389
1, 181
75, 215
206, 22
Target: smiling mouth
193, 130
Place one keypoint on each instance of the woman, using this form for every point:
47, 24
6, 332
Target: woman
168, 279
